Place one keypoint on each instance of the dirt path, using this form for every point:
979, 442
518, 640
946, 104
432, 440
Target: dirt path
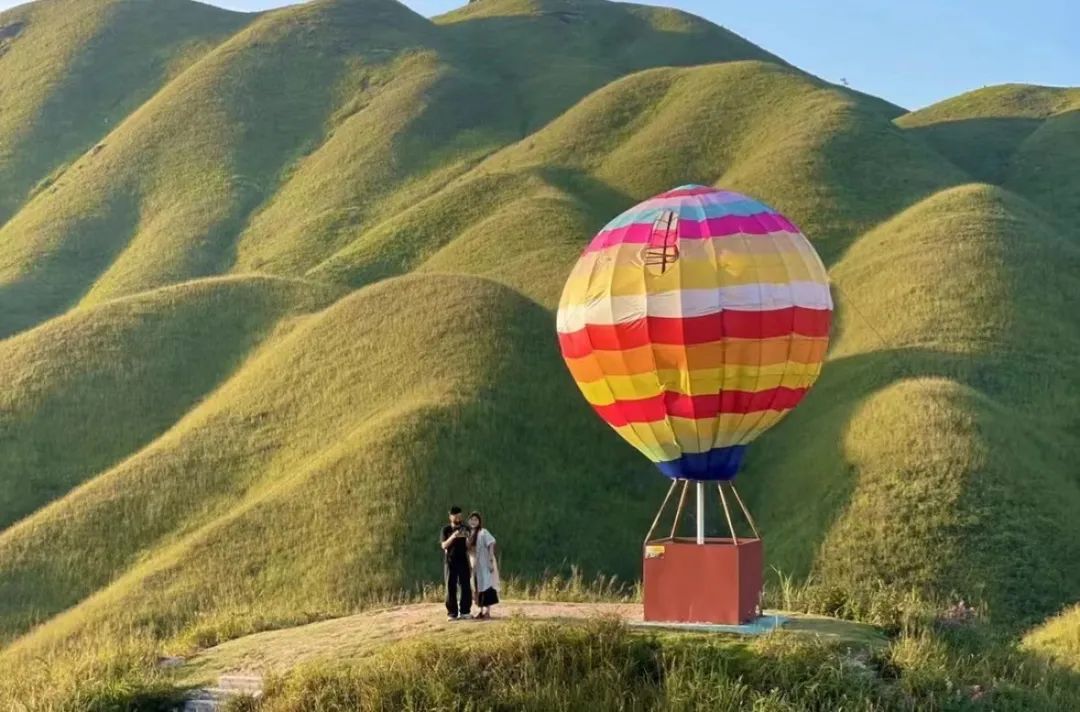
362, 634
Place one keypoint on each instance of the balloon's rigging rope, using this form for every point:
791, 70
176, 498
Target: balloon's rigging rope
848, 301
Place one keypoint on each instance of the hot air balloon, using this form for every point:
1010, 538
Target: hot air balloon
692, 323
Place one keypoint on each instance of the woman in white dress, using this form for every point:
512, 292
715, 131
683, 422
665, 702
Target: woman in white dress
484, 565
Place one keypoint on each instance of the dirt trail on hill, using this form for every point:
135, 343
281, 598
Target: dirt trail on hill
362, 634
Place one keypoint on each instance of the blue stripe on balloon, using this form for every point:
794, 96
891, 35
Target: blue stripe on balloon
721, 463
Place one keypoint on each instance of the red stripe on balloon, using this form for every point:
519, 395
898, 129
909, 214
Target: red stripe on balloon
726, 324
650, 410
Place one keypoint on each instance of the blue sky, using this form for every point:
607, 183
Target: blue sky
912, 53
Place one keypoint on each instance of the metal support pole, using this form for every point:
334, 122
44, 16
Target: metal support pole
700, 512
678, 512
745, 511
727, 514
674, 484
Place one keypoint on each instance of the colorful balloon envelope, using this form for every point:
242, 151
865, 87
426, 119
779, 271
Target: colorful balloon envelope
692, 323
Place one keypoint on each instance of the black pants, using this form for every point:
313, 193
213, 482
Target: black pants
458, 575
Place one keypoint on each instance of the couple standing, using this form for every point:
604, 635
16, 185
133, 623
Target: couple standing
469, 565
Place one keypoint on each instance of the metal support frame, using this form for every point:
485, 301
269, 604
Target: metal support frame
745, 511
727, 513
671, 490
678, 512
700, 511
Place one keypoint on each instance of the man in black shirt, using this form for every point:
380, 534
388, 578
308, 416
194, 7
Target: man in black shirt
456, 571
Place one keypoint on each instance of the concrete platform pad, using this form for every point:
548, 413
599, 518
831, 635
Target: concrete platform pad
764, 624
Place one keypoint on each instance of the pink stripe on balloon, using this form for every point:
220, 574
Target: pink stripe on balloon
639, 233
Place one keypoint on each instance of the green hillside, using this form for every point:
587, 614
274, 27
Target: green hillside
516, 216
475, 89
302, 470
1058, 639
142, 362
285, 290
930, 410
1018, 135
162, 197
70, 70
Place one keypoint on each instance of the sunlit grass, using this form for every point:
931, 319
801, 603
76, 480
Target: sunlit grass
1058, 638
603, 665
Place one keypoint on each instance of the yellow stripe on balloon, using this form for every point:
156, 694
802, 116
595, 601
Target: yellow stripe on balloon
668, 439
620, 279
732, 256
726, 429
655, 441
732, 377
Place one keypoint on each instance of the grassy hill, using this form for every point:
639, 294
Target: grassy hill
285, 291
70, 70
294, 484
1058, 638
142, 362
604, 664
1023, 137
938, 404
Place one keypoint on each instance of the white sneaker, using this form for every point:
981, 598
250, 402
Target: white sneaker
451, 618
465, 616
